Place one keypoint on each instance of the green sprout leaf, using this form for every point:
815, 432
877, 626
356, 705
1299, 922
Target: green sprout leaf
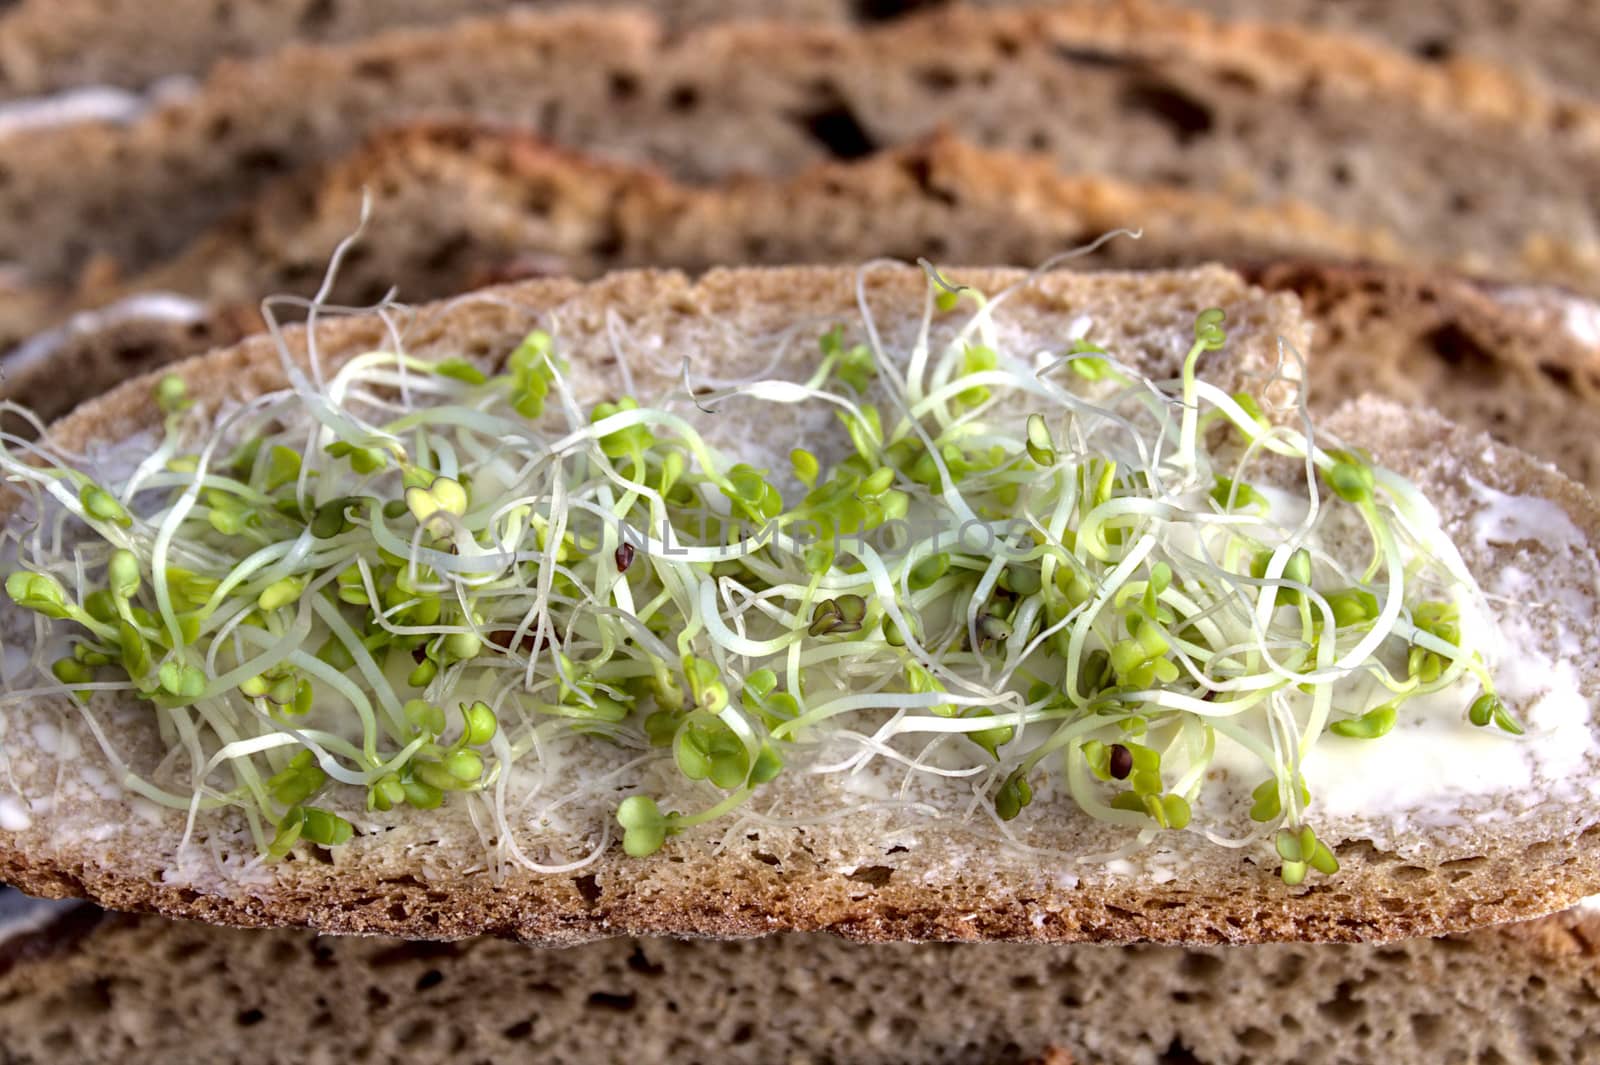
1041, 447
103, 506
280, 593
1349, 478
644, 826
1369, 726
38, 592
459, 370
1014, 794
172, 395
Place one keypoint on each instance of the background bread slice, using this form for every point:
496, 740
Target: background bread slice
1259, 114
125, 990
47, 45
453, 204
459, 204
411, 880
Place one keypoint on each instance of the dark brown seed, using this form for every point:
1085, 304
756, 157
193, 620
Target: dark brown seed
1121, 761
419, 652
624, 557
529, 643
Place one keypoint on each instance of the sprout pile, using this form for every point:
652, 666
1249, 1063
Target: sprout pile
402, 578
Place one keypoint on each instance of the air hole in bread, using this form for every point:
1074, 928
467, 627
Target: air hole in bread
316, 15
683, 99
1433, 49
1081, 56
1239, 78
640, 963
520, 1030
875, 875
1560, 376
938, 79
1462, 869
1257, 1039
838, 130
264, 160
1185, 116
920, 170
1177, 1054
1289, 970
415, 1032
375, 69
883, 10
624, 86
1343, 1008
605, 1000
430, 979
588, 887
249, 1018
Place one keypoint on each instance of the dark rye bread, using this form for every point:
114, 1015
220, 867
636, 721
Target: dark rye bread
414, 876
1256, 113
456, 205
1520, 363
1553, 39
453, 203
49, 45
107, 989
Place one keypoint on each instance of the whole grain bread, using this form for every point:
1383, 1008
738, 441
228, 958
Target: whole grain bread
426, 877
50, 45
452, 203
456, 205
1255, 113
115, 989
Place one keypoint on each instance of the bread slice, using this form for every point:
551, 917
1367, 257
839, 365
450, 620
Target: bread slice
1552, 39
1521, 363
458, 204
115, 989
407, 876
50, 45
1258, 114
455, 202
